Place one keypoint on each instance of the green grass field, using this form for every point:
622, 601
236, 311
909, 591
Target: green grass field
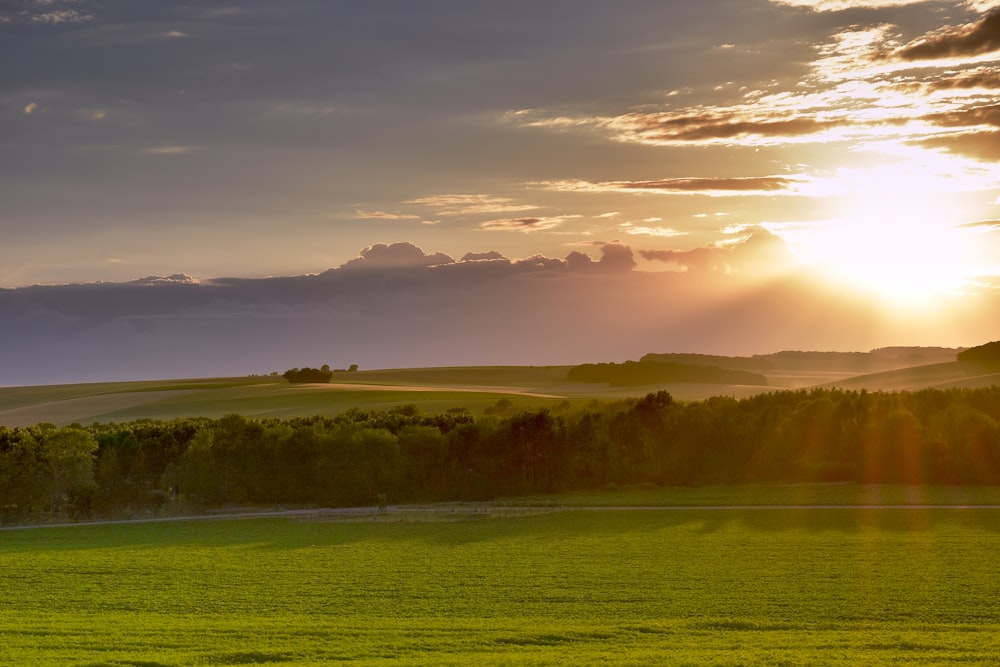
696, 587
431, 389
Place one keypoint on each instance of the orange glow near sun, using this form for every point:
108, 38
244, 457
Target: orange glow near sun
896, 233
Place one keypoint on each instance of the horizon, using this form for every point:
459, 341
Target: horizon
241, 188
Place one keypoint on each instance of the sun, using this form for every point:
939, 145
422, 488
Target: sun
897, 236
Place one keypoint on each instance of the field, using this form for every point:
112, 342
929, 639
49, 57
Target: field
431, 389
722, 586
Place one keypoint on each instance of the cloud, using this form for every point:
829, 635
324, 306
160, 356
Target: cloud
962, 41
754, 185
382, 215
58, 16
971, 117
175, 34
752, 124
659, 232
412, 308
174, 279
469, 204
841, 5
525, 224
168, 150
758, 252
396, 256
666, 128
616, 257
985, 225
983, 146
30, 108
482, 256
986, 79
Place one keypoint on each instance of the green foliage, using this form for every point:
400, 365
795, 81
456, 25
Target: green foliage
409, 455
309, 375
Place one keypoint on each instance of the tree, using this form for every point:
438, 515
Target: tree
70, 456
309, 375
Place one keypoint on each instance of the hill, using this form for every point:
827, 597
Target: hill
690, 377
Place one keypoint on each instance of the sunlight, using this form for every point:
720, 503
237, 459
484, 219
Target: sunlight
897, 233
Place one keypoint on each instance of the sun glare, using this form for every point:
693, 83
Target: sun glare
897, 235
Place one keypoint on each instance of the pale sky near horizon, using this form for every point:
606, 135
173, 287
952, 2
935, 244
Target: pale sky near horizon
715, 151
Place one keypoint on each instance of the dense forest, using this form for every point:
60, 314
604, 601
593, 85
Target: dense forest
147, 467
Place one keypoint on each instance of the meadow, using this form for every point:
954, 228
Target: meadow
432, 390
697, 587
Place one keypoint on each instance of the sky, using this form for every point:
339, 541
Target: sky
216, 188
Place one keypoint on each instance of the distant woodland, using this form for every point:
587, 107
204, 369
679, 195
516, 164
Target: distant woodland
401, 455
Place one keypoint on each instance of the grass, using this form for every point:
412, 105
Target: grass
775, 494
431, 389
720, 587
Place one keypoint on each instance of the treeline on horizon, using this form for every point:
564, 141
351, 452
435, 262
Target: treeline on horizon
401, 455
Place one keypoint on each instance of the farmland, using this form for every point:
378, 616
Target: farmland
699, 586
474, 388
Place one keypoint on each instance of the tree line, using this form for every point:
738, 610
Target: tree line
361, 457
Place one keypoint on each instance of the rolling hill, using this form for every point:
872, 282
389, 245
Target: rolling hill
479, 388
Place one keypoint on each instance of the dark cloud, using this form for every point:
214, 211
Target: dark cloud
408, 312
978, 115
522, 224
176, 278
988, 79
971, 39
979, 145
615, 258
670, 128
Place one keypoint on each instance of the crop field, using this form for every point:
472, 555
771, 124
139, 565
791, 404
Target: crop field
695, 586
433, 390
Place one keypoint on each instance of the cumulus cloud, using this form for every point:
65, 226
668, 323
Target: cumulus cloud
30, 108
174, 279
412, 308
962, 41
758, 251
396, 256
58, 16
481, 256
